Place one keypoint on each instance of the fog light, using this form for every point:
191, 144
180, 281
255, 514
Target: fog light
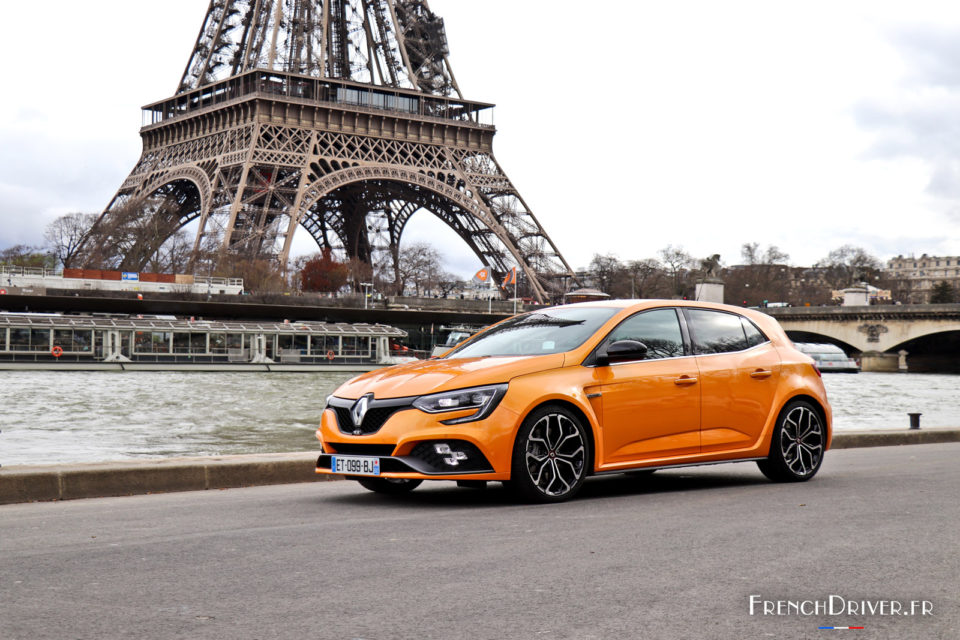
452, 458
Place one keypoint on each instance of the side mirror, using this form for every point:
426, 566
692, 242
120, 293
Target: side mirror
621, 351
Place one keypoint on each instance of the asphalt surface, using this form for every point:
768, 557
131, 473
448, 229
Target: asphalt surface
674, 555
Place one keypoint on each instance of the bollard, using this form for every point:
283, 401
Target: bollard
914, 420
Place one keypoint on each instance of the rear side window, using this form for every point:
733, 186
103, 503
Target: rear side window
754, 335
716, 331
658, 329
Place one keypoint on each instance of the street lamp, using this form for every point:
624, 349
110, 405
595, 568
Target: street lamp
366, 292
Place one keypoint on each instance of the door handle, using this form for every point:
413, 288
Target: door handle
760, 374
685, 381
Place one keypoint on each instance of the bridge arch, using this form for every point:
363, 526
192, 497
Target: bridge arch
806, 336
924, 331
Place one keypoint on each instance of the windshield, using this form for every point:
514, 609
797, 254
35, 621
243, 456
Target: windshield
540, 332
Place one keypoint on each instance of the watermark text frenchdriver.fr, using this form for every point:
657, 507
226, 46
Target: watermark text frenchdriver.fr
835, 605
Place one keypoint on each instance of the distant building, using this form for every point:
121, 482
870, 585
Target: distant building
920, 275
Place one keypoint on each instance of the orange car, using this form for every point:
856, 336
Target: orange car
544, 399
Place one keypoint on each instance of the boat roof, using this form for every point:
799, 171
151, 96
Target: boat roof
212, 326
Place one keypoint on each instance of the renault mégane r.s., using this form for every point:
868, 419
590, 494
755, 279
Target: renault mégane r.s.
543, 400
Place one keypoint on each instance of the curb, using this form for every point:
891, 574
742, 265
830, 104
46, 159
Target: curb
858, 439
105, 479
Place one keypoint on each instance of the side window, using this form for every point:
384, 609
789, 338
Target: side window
658, 329
716, 331
754, 335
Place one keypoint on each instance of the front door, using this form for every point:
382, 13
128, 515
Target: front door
651, 407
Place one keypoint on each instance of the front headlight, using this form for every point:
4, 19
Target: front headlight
483, 399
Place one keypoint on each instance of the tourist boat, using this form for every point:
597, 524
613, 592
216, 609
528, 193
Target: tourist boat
829, 357
162, 343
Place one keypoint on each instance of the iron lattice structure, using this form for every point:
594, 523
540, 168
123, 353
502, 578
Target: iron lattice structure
341, 116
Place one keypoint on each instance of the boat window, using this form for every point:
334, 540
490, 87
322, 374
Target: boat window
71, 340
356, 346
19, 339
198, 343
320, 345
218, 343
40, 339
292, 342
189, 342
235, 341
152, 341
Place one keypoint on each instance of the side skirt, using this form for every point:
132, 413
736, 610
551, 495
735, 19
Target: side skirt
674, 466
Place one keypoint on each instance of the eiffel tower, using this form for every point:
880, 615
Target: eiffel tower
340, 116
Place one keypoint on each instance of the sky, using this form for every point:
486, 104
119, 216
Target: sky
627, 126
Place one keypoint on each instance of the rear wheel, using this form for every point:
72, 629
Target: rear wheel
389, 485
550, 456
796, 449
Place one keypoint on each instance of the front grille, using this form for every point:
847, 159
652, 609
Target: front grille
378, 412
351, 448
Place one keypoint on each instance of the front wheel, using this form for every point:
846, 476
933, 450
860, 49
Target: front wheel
550, 456
392, 486
796, 449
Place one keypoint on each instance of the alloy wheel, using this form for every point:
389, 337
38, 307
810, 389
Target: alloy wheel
801, 440
555, 455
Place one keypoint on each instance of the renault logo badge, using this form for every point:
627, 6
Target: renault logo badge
359, 410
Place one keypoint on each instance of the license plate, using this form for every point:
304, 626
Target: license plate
355, 465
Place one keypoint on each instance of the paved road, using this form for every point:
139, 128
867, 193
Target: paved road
674, 555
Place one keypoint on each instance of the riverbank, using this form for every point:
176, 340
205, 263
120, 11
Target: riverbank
32, 483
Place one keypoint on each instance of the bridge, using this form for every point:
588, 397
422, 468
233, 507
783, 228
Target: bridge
929, 333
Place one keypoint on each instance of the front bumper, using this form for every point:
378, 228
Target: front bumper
422, 461
405, 443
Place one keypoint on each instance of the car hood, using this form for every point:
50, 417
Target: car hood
431, 376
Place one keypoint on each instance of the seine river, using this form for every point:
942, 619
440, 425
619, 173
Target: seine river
50, 417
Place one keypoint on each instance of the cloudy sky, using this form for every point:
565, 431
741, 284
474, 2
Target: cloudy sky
636, 125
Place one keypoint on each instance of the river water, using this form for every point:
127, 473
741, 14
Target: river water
60, 416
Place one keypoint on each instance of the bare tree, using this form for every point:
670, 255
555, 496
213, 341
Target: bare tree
752, 255
764, 276
677, 265
849, 264
607, 272
646, 278
419, 265
65, 235
448, 282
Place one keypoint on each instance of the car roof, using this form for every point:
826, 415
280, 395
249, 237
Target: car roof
767, 324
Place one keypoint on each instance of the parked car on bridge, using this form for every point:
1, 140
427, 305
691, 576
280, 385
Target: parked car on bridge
543, 400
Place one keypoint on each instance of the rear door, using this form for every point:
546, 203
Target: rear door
739, 374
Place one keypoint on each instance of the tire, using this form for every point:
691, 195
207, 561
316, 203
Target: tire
392, 486
550, 456
796, 447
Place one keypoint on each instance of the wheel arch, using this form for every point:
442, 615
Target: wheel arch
821, 413
577, 411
